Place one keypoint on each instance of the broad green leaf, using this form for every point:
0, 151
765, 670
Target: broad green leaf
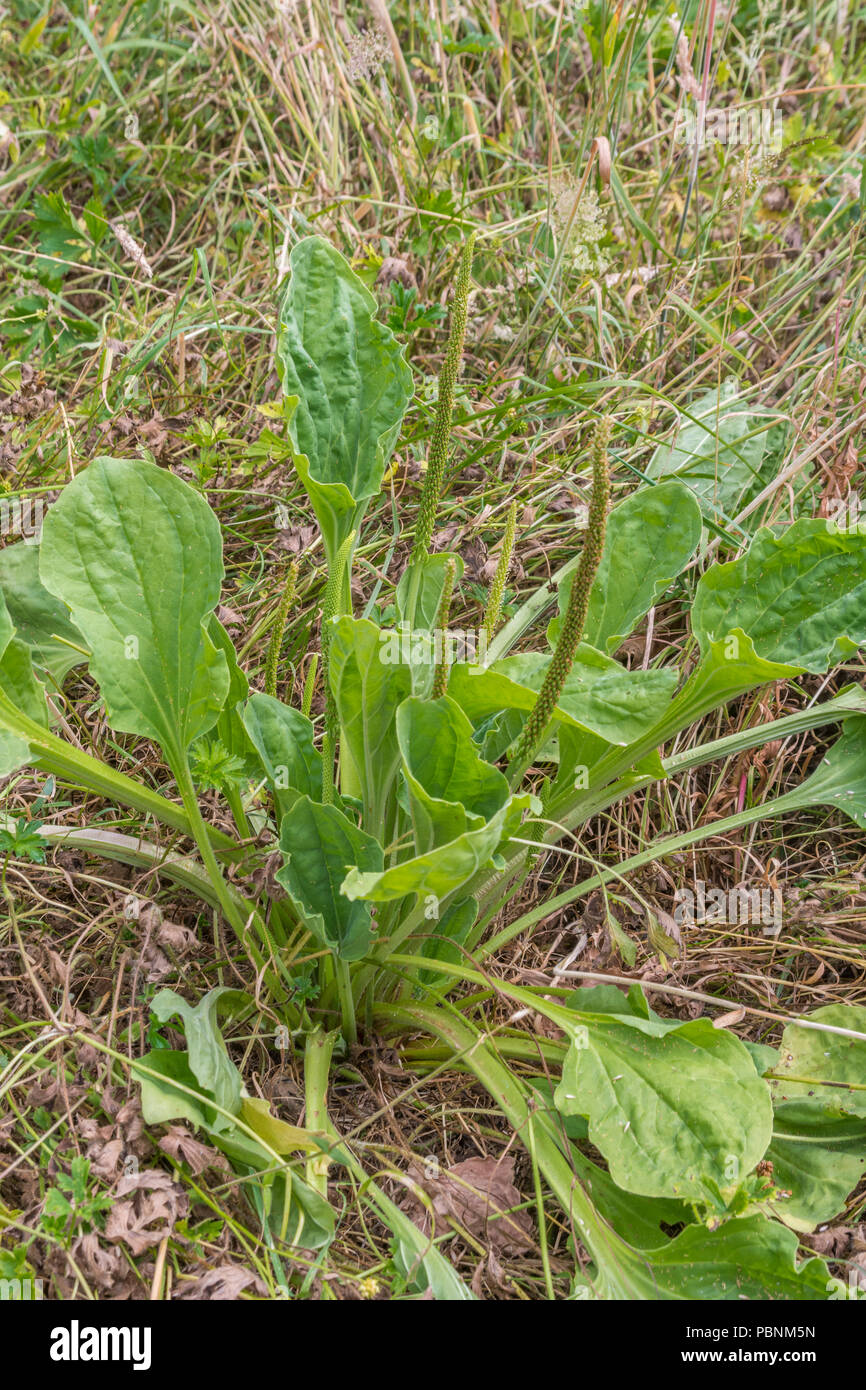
40, 619
748, 1258
209, 1061
229, 727
368, 686
792, 603
680, 1113
163, 1101
20, 693
18, 681
346, 382
609, 999
721, 453
764, 1057
579, 752
283, 1138
826, 1069
638, 1219
441, 871
800, 596
136, 555
818, 1157
730, 666
422, 1263
599, 695
650, 538
239, 686
294, 1213
283, 739
451, 788
320, 845
7, 627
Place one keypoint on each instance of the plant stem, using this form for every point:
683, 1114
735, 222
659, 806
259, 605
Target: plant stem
332, 606
539, 1203
440, 675
227, 904
347, 1002
318, 1050
239, 815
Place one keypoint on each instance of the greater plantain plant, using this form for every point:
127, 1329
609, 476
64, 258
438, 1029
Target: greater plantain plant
431, 789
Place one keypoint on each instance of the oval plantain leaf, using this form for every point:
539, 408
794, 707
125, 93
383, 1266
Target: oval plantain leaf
818, 1158
838, 781
599, 695
346, 382
748, 1258
20, 693
676, 1113
451, 788
443, 870
721, 452
283, 739
208, 1058
368, 686
800, 596
827, 1069
319, 845
136, 555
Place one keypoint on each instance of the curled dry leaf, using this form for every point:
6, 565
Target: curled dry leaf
230, 618
226, 1282
393, 268
176, 938
147, 1208
106, 1156
601, 147
179, 1144
104, 1267
294, 539
730, 1018
479, 566
479, 1194
838, 1242
263, 877
444, 539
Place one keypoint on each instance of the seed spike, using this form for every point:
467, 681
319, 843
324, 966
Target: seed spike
440, 677
573, 623
309, 686
279, 628
497, 588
